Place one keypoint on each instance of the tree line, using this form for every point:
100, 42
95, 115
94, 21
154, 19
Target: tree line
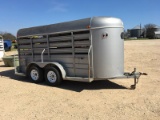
7, 36
149, 30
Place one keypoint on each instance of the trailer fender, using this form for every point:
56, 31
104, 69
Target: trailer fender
45, 64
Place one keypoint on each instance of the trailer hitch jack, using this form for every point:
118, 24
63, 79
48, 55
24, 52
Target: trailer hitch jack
136, 77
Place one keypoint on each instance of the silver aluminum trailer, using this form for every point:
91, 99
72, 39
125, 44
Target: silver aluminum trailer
81, 50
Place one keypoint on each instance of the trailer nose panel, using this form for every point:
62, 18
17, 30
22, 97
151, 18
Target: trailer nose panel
108, 49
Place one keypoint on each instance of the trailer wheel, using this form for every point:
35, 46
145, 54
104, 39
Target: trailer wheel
53, 76
35, 74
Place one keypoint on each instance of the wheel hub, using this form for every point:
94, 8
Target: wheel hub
51, 76
34, 75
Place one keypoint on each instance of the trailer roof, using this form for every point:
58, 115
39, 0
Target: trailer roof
71, 26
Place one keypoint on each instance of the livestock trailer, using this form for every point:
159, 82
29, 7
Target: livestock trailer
82, 50
1, 48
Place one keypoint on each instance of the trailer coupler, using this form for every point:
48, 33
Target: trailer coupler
135, 75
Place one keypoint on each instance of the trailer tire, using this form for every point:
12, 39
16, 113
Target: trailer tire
53, 76
35, 74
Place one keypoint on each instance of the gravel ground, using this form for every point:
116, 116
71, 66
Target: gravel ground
101, 100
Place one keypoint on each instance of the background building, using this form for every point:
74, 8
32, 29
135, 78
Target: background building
137, 31
157, 32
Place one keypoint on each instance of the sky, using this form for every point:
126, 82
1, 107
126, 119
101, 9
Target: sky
17, 14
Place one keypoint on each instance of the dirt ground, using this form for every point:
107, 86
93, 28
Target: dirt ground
101, 100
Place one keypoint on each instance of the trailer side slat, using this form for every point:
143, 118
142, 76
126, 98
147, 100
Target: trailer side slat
38, 45
24, 46
25, 51
24, 41
81, 36
79, 50
81, 60
64, 50
81, 66
78, 43
39, 40
61, 44
60, 38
